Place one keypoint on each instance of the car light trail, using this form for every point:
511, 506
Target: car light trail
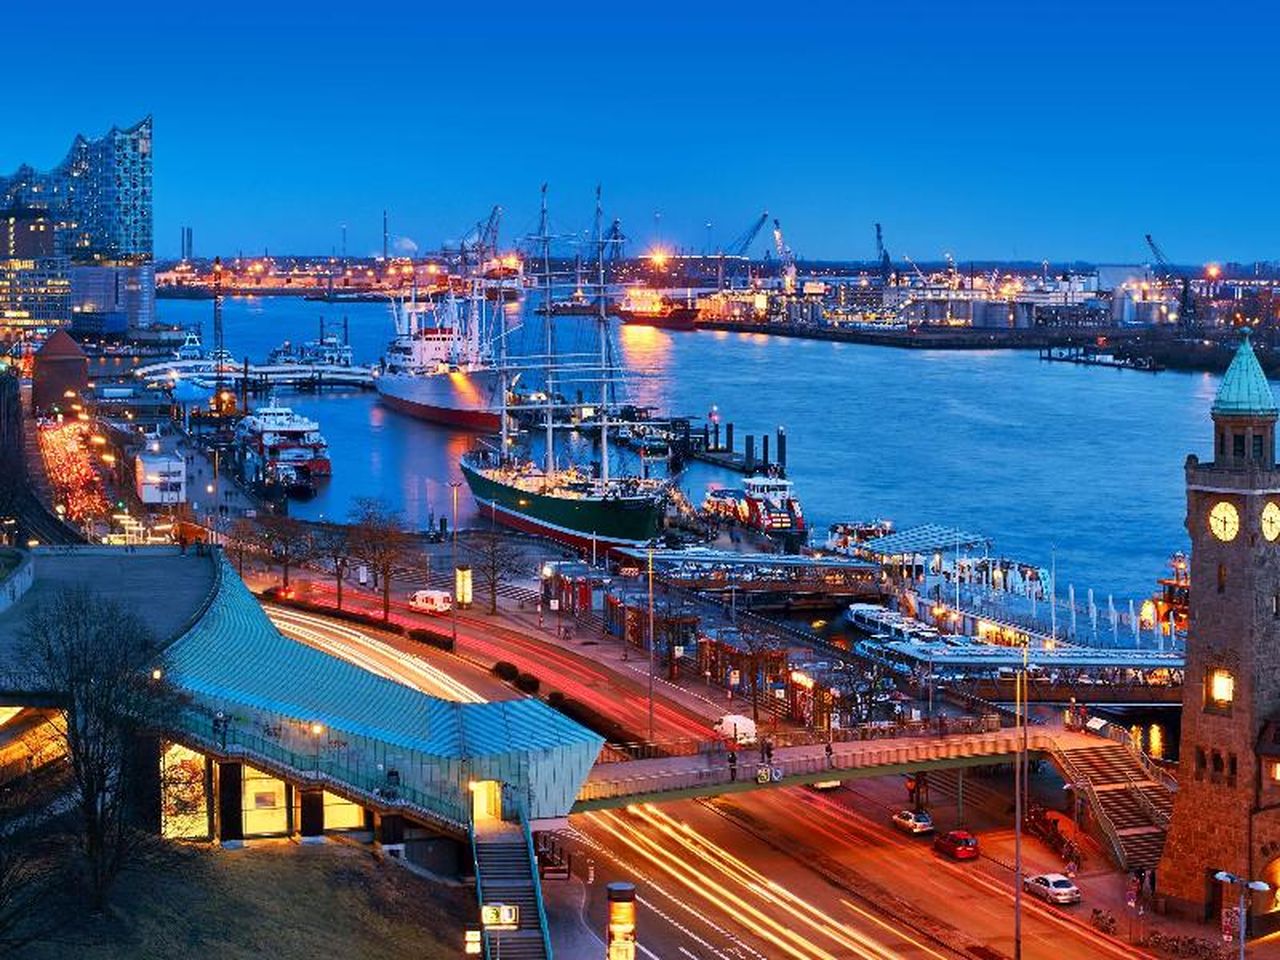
732, 883
373, 655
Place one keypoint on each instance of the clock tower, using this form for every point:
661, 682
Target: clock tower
1226, 811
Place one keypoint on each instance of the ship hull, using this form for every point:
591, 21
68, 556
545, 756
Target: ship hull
463, 400
581, 523
678, 318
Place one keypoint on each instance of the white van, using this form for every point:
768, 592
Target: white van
736, 728
431, 601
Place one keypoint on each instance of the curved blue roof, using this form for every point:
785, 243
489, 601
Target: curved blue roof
1244, 391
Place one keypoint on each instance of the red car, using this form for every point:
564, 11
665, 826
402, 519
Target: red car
957, 844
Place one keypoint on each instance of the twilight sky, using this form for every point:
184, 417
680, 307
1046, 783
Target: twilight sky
990, 130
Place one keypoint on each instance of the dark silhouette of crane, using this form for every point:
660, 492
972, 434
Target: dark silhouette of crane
882, 256
740, 245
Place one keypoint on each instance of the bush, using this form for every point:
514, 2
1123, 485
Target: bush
555, 699
504, 670
441, 641
527, 683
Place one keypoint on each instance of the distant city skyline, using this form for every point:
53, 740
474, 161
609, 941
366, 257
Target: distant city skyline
999, 133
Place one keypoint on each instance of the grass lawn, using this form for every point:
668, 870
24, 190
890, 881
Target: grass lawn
278, 900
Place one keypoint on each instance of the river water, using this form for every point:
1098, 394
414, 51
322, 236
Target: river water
1048, 459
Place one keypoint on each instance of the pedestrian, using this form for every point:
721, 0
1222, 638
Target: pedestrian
733, 765
768, 752
831, 760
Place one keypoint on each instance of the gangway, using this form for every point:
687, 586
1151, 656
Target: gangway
258, 376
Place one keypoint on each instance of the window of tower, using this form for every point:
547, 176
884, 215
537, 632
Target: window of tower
1237, 445
1221, 689
1257, 447
1222, 442
1273, 768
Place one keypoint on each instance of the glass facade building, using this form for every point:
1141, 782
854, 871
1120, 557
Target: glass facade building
98, 204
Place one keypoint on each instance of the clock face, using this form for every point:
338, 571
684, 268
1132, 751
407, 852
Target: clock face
1271, 520
1224, 520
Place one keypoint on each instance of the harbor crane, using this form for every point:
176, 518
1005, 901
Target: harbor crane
1188, 309
740, 245
882, 255
481, 241
787, 258
916, 267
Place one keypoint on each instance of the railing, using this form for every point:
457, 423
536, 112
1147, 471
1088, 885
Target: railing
1104, 821
1114, 731
543, 926
883, 730
1154, 813
301, 767
475, 867
717, 771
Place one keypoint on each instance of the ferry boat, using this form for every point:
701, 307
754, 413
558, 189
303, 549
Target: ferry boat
277, 446
646, 307
191, 348
764, 503
440, 366
589, 509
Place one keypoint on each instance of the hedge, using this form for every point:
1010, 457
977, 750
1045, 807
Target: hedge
442, 641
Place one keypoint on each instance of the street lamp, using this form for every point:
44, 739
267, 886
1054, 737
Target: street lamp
1246, 887
454, 485
651, 639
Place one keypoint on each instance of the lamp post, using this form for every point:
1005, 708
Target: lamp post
651, 639
1246, 887
1019, 778
453, 486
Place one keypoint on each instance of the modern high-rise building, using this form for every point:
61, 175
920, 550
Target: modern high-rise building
98, 201
35, 286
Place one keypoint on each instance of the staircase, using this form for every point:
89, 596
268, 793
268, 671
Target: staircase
507, 872
1132, 809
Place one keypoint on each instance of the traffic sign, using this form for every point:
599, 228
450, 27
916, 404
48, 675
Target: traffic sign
500, 916
471, 944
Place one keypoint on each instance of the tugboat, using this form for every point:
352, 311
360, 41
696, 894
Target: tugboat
765, 503
327, 351
280, 448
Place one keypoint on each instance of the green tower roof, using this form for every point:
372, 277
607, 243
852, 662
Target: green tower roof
1244, 391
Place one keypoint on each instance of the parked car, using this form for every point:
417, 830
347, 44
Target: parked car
431, 601
957, 844
913, 821
1053, 887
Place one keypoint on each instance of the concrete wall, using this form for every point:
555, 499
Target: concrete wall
19, 580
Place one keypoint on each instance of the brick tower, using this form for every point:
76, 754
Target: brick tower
1226, 812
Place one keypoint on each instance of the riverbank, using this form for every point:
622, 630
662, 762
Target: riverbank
932, 338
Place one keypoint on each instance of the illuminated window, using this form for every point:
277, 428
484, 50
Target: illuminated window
1221, 688
1274, 768
340, 814
184, 811
263, 804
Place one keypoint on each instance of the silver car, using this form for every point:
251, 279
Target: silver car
1053, 887
913, 821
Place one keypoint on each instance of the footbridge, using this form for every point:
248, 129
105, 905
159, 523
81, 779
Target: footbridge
1128, 797
259, 377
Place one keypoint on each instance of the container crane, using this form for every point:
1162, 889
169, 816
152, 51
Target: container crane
787, 258
1188, 309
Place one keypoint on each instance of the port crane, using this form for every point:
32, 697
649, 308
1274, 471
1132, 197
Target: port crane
1188, 310
740, 245
481, 241
882, 255
787, 257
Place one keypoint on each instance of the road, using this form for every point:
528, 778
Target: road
787, 873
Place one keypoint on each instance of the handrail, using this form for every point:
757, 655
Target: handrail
475, 866
543, 926
1154, 813
1108, 828
1114, 731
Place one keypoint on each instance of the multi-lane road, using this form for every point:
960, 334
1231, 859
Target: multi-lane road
788, 873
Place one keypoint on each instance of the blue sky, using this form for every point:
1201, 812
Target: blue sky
990, 130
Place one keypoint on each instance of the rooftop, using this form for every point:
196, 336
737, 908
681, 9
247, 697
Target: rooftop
1244, 391
164, 587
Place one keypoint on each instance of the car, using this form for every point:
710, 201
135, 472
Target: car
913, 821
1053, 887
736, 728
431, 601
957, 844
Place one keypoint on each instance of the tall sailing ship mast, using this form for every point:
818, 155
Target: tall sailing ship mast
590, 510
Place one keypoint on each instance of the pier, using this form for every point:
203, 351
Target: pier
261, 379
1090, 357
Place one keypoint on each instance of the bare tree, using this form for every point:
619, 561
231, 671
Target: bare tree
496, 560
333, 543
98, 658
376, 539
245, 537
287, 540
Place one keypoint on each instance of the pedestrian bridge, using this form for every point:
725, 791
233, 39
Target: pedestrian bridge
711, 772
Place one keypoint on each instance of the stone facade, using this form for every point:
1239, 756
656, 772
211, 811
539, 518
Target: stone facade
1226, 813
